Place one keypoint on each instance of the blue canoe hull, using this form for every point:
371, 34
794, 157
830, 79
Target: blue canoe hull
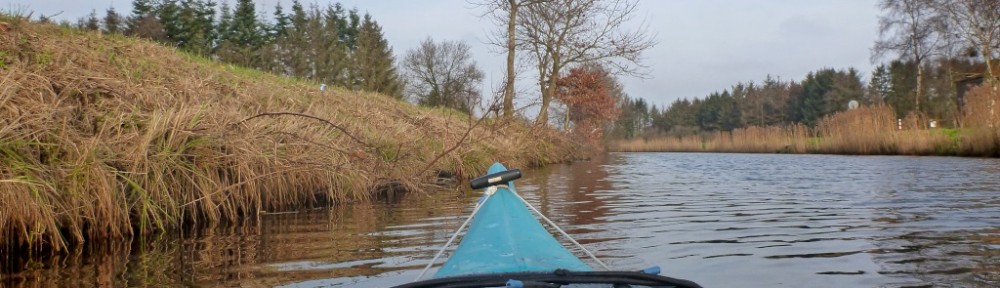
505, 237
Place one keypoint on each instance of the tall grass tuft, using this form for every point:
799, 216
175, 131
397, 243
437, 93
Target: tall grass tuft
99, 139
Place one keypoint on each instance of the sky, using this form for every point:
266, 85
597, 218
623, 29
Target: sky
703, 46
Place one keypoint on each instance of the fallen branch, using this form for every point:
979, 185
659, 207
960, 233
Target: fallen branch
328, 122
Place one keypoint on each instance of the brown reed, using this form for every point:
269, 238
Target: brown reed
982, 116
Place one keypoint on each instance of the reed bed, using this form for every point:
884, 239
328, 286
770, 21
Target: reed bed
982, 115
692, 143
755, 139
865, 131
103, 136
869, 130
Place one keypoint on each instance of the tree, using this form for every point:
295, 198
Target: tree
814, 87
196, 30
587, 93
775, 95
827, 91
634, 117
909, 28
978, 23
348, 26
901, 81
719, 112
274, 51
169, 15
139, 23
223, 30
281, 23
112, 21
504, 12
373, 64
241, 42
846, 86
332, 52
751, 103
560, 33
878, 85
90, 22
442, 74
294, 53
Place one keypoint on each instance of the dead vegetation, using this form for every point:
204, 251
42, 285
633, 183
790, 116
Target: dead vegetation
103, 136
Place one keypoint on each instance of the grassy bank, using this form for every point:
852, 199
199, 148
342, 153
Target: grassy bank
103, 136
864, 131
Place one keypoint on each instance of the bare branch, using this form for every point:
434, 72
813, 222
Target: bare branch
328, 122
472, 126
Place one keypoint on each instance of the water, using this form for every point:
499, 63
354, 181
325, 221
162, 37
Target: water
722, 220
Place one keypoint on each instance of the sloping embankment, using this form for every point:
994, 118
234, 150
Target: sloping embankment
103, 136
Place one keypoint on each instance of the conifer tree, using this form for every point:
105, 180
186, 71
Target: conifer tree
225, 21
332, 53
878, 86
112, 21
281, 22
242, 43
275, 50
205, 19
195, 19
374, 64
90, 22
348, 25
140, 9
294, 44
245, 27
169, 16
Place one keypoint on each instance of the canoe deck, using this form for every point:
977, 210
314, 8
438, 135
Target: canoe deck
505, 237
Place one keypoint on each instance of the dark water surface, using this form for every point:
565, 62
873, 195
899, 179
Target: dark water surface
723, 220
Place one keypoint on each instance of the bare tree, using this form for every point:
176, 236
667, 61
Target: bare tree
442, 74
560, 33
978, 24
909, 28
504, 12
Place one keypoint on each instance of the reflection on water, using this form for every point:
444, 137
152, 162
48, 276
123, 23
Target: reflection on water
723, 220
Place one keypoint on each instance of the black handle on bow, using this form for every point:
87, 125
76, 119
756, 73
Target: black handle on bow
495, 178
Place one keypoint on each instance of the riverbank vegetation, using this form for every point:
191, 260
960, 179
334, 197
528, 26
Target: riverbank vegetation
107, 136
935, 95
189, 113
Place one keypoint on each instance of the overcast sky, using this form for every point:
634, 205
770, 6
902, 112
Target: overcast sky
704, 45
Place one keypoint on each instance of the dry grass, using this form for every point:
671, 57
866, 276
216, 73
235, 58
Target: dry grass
982, 114
107, 137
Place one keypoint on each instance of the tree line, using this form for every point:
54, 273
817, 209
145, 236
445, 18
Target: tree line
331, 45
339, 47
927, 46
